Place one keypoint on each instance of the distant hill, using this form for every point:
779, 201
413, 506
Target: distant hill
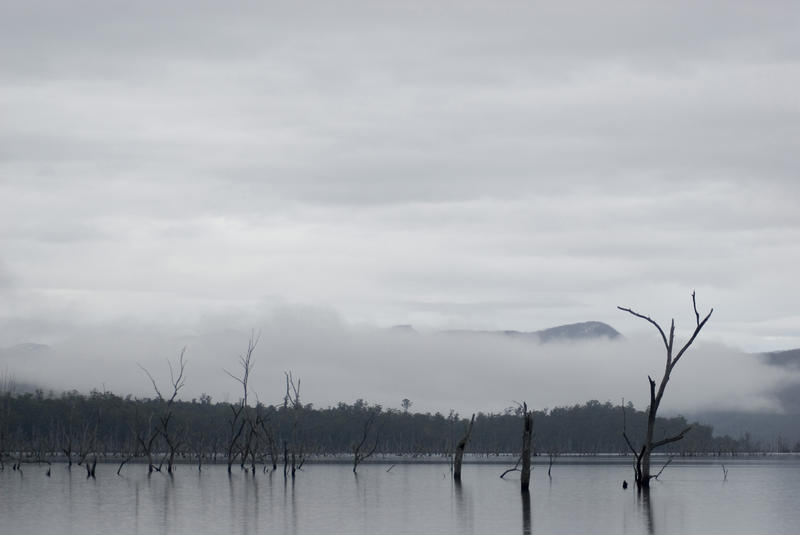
765, 431
788, 394
771, 431
578, 331
587, 330
788, 359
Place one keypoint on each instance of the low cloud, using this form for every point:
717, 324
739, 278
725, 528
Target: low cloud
337, 361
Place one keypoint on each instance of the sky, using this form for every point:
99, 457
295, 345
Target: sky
185, 169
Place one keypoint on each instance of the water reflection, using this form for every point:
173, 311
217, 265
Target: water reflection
169, 490
409, 499
463, 509
294, 509
644, 500
526, 513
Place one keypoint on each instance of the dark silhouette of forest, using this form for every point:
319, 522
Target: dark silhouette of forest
76, 427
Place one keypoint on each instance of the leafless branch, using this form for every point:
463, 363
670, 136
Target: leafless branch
625, 430
662, 468
694, 335
247, 364
292, 391
179, 381
155, 386
675, 438
514, 469
649, 319
175, 382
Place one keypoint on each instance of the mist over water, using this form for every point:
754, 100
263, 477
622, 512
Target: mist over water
337, 361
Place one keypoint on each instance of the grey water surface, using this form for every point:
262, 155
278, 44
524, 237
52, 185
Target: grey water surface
760, 496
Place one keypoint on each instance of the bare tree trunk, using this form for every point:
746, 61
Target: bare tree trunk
527, 433
123, 463
241, 409
170, 435
552, 456
273, 454
292, 398
90, 469
285, 459
642, 456
459, 455
358, 454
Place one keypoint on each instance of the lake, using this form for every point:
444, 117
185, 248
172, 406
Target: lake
583, 496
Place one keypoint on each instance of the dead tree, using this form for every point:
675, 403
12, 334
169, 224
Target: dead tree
131, 450
642, 455
146, 435
525, 456
359, 454
86, 442
241, 420
90, 468
235, 428
269, 434
527, 435
551, 457
66, 432
170, 433
292, 401
459, 453
198, 448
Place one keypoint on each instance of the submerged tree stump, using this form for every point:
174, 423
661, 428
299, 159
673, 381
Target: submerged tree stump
527, 433
459, 454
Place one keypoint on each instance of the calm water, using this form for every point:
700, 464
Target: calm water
760, 496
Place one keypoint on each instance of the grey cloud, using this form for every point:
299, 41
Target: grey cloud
492, 166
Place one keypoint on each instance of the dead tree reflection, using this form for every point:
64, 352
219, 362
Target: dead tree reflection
526, 514
644, 500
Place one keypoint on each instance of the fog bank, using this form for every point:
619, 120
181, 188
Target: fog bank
338, 361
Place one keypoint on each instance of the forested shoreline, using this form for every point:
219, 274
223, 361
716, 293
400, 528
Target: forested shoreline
74, 427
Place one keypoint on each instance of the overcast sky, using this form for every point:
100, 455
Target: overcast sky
486, 165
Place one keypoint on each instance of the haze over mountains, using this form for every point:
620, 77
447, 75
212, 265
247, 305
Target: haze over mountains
583, 331
464, 370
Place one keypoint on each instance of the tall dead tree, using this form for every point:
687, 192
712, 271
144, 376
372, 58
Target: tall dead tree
642, 455
241, 423
459, 453
525, 456
235, 428
146, 435
264, 421
292, 448
171, 434
527, 436
66, 432
359, 453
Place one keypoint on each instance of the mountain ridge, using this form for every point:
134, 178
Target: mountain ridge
585, 330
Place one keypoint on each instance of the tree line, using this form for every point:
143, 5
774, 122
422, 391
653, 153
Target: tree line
77, 428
